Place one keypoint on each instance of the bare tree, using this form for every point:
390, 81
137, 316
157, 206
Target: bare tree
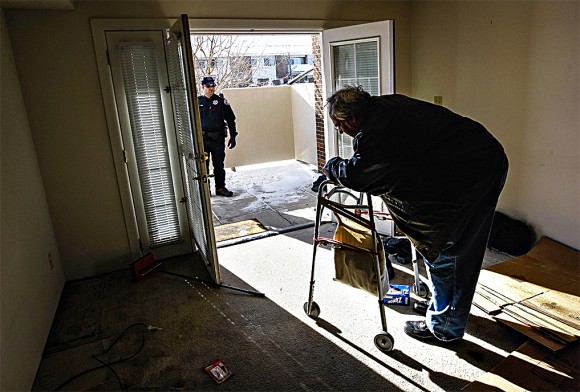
225, 57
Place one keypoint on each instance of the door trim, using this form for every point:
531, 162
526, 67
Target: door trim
99, 27
384, 30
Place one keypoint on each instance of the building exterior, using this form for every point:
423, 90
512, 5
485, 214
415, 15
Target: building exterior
264, 60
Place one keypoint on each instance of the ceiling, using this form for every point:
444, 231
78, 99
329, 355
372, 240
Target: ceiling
38, 4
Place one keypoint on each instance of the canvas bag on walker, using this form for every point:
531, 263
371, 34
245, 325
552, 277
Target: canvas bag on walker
358, 268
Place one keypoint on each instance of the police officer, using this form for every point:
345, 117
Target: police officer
215, 112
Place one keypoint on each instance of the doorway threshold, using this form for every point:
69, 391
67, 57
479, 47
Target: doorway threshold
277, 195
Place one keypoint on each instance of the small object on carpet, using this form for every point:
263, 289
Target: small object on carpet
218, 371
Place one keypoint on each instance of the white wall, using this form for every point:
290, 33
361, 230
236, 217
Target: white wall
304, 122
29, 288
513, 66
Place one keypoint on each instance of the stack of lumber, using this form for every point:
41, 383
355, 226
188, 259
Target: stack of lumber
536, 294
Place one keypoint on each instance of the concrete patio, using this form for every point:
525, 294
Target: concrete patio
277, 194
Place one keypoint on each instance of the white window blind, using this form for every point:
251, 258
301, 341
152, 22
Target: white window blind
355, 64
140, 79
188, 147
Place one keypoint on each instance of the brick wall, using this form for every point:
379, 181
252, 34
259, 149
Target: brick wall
318, 102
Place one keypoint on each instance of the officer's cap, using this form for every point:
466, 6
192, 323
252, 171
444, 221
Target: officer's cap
207, 80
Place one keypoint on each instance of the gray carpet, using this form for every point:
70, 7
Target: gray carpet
267, 348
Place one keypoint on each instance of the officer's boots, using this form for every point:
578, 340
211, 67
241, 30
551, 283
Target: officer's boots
224, 192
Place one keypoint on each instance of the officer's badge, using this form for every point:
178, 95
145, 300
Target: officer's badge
215, 102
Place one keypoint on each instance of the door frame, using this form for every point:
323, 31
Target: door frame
157, 38
99, 27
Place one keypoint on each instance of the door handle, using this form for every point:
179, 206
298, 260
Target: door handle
202, 178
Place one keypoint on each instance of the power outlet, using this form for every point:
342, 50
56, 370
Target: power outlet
438, 100
50, 262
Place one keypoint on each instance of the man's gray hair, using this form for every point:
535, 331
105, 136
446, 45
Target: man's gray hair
344, 103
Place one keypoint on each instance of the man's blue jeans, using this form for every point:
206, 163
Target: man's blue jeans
453, 275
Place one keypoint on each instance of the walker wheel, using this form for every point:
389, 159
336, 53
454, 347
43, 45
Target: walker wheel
314, 310
421, 290
384, 342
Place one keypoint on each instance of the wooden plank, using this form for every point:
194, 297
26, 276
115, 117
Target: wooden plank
532, 368
532, 271
572, 288
485, 302
547, 324
537, 293
529, 331
563, 307
509, 289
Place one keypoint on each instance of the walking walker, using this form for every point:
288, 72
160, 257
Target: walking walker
335, 198
351, 213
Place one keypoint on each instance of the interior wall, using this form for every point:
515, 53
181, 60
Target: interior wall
513, 66
56, 63
29, 287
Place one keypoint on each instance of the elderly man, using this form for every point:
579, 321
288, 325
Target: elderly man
440, 175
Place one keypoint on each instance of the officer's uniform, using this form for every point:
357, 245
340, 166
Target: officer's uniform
215, 112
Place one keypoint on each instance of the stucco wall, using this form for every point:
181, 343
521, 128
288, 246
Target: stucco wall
264, 123
274, 123
304, 122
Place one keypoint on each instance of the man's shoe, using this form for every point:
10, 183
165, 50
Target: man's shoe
421, 307
224, 192
418, 330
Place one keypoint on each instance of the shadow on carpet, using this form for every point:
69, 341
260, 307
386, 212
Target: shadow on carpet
103, 320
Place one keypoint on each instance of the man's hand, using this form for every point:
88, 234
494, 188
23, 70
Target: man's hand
231, 142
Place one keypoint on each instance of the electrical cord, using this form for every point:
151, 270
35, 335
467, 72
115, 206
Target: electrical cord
148, 328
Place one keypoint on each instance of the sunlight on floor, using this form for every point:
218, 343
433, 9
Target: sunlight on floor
280, 267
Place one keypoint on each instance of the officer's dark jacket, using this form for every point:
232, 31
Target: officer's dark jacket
215, 112
427, 163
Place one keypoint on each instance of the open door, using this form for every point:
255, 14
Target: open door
190, 143
356, 55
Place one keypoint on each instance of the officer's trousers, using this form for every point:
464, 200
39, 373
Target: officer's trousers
216, 149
